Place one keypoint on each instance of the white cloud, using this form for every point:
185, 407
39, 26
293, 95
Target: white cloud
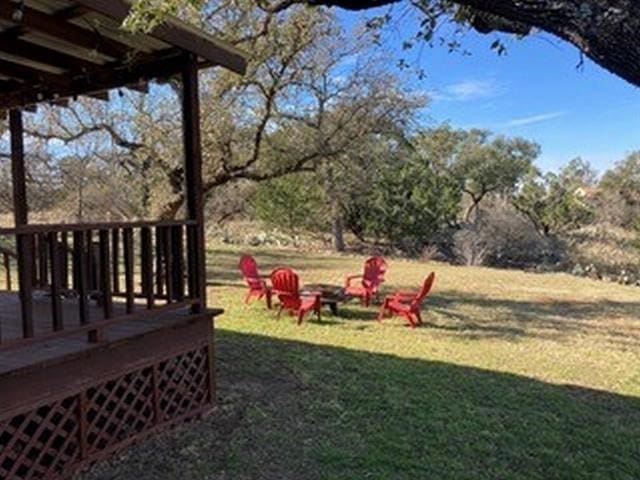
542, 117
467, 90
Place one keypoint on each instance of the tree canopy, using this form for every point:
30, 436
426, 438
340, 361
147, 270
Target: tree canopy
603, 30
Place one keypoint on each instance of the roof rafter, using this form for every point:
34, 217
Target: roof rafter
101, 79
50, 25
10, 43
178, 34
28, 74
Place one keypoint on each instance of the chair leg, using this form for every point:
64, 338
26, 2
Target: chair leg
382, 313
279, 312
300, 316
268, 296
418, 317
409, 318
384, 310
247, 298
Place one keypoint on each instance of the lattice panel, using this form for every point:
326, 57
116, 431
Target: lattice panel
183, 383
42, 443
45, 443
119, 409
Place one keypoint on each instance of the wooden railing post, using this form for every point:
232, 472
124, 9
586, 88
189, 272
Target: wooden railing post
168, 262
80, 261
7, 268
105, 273
127, 246
177, 258
56, 281
64, 255
115, 259
146, 265
159, 253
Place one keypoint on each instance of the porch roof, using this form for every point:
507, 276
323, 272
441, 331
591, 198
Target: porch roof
54, 49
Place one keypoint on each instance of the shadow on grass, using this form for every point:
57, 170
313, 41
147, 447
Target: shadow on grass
290, 410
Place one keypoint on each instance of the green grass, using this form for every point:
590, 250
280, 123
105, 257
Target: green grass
514, 376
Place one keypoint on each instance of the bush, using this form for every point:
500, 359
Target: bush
503, 237
294, 203
409, 206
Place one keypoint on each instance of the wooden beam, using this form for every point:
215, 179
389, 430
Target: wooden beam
62, 102
29, 74
30, 51
20, 212
71, 12
50, 25
103, 95
193, 183
102, 78
142, 87
18, 172
178, 34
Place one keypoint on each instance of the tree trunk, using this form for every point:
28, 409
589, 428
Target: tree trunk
473, 207
338, 233
606, 31
337, 223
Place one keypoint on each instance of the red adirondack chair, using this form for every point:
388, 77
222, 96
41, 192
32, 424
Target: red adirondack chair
408, 304
257, 286
286, 286
372, 278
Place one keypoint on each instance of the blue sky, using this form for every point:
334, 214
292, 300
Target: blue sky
535, 91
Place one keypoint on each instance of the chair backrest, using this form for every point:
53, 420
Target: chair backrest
286, 285
374, 270
427, 285
249, 269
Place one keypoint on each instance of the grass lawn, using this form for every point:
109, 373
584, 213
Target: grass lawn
514, 376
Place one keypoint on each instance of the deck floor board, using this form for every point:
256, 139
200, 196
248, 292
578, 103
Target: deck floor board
49, 350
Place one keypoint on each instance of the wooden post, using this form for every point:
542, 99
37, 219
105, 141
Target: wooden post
193, 178
20, 212
81, 261
56, 282
127, 246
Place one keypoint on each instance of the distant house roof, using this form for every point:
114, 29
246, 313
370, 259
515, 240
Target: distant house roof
53, 49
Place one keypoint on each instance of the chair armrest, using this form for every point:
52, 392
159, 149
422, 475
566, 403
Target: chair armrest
349, 278
402, 295
310, 294
317, 295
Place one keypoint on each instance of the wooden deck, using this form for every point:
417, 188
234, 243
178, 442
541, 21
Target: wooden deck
89, 400
41, 351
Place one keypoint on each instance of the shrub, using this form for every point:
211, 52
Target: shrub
502, 237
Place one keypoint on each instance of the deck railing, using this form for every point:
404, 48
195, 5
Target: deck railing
9, 258
138, 267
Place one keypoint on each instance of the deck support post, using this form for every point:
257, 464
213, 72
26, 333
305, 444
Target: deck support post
24, 243
193, 183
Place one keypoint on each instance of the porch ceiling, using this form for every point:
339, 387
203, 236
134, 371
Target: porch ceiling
52, 49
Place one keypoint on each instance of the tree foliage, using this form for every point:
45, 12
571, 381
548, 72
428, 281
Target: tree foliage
603, 30
410, 204
621, 186
292, 202
554, 202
